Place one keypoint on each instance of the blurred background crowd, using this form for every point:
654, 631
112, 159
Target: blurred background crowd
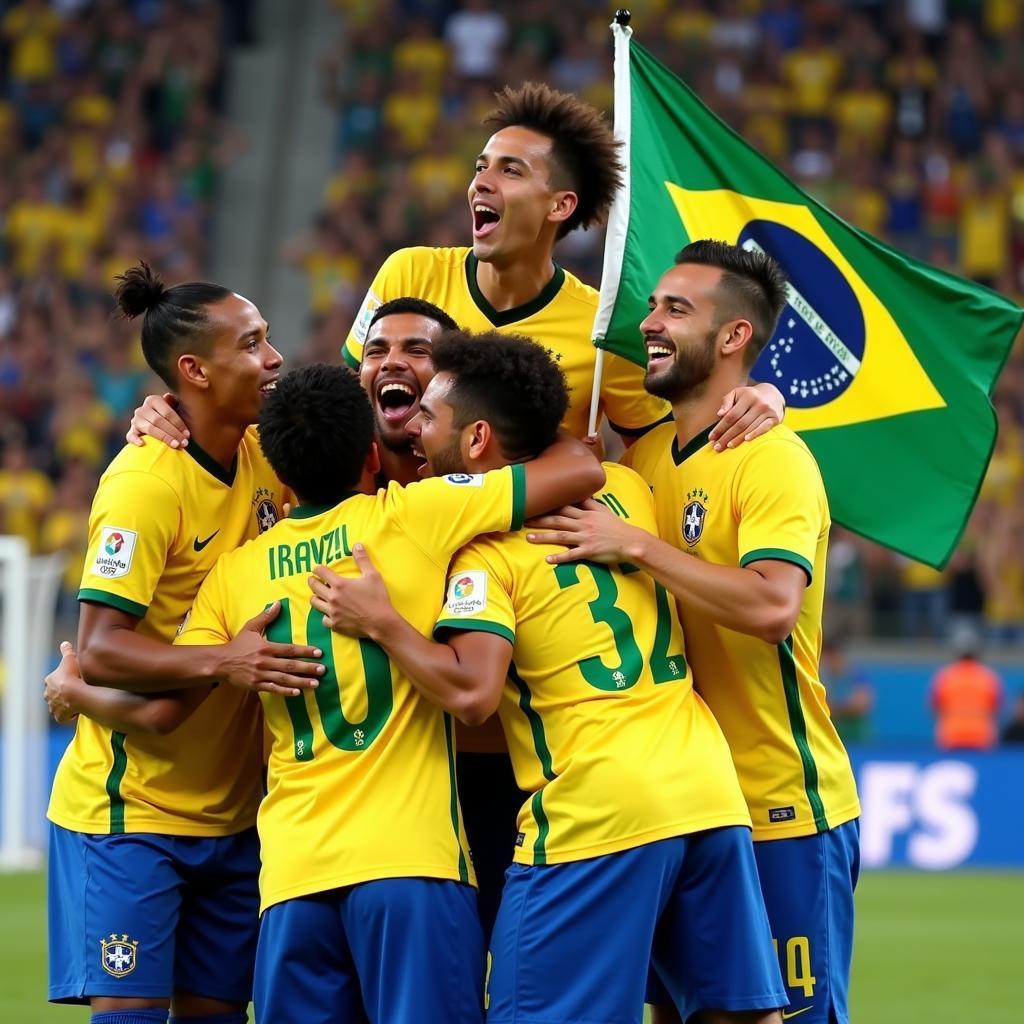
906, 117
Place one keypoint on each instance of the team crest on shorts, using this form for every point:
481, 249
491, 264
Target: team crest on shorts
694, 512
118, 955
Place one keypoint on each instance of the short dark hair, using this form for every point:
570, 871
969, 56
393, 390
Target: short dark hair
584, 151
418, 307
508, 380
174, 320
315, 430
753, 286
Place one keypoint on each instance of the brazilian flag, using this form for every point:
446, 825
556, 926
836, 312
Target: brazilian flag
887, 364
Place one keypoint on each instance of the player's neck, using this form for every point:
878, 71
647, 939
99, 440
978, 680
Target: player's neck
698, 410
399, 467
506, 286
219, 439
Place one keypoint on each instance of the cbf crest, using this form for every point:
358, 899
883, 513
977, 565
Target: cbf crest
266, 510
118, 955
694, 513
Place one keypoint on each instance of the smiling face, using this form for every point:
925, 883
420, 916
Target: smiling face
681, 331
242, 367
511, 197
396, 368
433, 433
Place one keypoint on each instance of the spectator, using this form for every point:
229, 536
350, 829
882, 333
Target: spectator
1013, 732
965, 698
475, 36
850, 695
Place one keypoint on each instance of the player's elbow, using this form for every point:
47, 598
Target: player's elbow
473, 708
91, 662
593, 476
775, 623
160, 719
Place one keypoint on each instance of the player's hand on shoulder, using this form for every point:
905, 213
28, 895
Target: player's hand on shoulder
746, 413
158, 418
60, 685
354, 606
252, 662
589, 530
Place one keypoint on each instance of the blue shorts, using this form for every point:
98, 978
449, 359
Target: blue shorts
573, 942
393, 951
808, 888
143, 915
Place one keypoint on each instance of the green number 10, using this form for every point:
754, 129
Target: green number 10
345, 735
665, 667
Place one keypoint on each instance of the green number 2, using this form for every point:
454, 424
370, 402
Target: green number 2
665, 667
345, 735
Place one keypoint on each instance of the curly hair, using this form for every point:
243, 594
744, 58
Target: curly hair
315, 430
174, 320
584, 152
508, 380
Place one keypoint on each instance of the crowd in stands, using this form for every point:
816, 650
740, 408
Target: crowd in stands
905, 116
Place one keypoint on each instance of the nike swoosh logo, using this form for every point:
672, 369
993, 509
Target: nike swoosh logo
796, 1013
198, 544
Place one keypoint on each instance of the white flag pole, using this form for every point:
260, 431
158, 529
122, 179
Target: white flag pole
618, 217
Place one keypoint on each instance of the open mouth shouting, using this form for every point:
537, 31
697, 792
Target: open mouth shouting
268, 386
661, 354
397, 399
485, 219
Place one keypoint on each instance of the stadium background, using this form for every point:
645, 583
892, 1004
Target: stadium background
285, 147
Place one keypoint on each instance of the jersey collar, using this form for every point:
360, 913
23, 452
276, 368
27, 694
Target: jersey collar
694, 445
309, 511
517, 313
211, 465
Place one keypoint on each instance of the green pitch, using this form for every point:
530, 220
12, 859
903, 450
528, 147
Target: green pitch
941, 949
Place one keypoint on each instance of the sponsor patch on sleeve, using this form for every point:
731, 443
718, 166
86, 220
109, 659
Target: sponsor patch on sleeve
114, 554
466, 479
362, 325
467, 593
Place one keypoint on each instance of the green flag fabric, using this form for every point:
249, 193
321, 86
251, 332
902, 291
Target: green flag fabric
886, 363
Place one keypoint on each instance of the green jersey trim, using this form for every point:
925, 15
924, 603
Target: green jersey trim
122, 604
350, 360
778, 555
211, 465
798, 726
694, 445
639, 431
475, 626
543, 752
510, 316
309, 511
518, 496
114, 780
454, 804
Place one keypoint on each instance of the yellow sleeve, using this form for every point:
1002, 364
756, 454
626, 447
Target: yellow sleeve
630, 410
780, 504
132, 526
478, 597
445, 512
206, 621
392, 281
627, 495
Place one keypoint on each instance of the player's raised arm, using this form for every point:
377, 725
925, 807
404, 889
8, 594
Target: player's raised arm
568, 467
465, 678
158, 418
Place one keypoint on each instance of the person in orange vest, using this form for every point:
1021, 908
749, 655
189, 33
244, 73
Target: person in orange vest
965, 698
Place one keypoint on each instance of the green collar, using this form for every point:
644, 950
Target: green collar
692, 446
517, 313
309, 511
211, 465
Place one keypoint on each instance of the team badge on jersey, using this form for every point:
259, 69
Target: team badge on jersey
467, 593
694, 513
114, 554
266, 515
466, 479
118, 955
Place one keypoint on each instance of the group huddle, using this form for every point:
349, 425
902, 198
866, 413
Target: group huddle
682, 825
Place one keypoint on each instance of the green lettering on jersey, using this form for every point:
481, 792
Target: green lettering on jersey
302, 559
344, 540
284, 561
614, 504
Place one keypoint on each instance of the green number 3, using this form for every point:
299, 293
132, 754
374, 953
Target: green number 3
665, 667
345, 735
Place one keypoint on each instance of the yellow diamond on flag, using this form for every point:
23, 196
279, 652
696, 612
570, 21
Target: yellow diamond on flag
838, 356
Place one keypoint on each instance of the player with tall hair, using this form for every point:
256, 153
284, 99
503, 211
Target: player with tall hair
634, 841
153, 850
368, 910
741, 543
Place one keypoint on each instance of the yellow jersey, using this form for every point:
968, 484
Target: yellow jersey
561, 318
361, 774
160, 519
763, 500
603, 725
